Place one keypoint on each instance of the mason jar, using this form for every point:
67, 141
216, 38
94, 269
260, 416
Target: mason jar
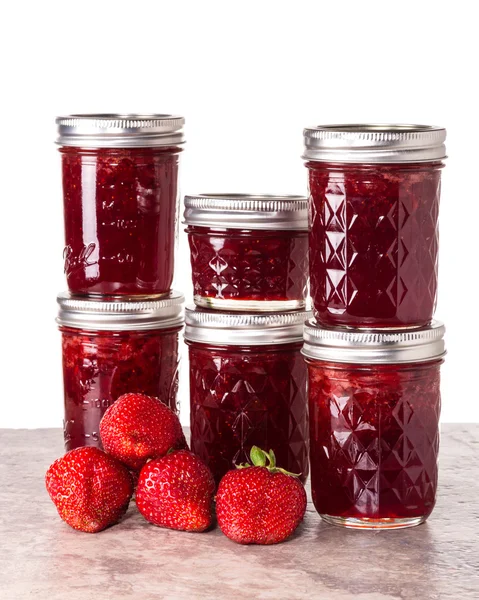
374, 205
120, 193
247, 388
248, 252
110, 348
374, 406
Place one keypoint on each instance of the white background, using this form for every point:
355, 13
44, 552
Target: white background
248, 76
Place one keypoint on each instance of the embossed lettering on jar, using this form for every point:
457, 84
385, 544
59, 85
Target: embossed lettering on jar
110, 349
120, 190
247, 387
374, 405
374, 205
248, 252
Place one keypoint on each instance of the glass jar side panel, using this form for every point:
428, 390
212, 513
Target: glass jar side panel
120, 210
242, 397
99, 367
374, 435
374, 243
249, 265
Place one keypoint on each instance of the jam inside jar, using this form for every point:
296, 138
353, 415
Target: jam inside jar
263, 269
374, 243
248, 252
374, 441
120, 208
113, 348
246, 394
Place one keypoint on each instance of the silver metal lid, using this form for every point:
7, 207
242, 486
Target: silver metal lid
238, 329
244, 211
374, 143
374, 347
119, 315
120, 131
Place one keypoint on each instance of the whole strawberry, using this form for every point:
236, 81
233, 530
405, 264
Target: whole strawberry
137, 427
90, 489
260, 504
176, 491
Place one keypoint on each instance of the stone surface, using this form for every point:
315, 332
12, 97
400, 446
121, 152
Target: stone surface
41, 557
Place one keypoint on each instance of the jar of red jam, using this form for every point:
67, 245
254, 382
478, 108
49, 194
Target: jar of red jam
374, 404
110, 348
374, 203
247, 387
120, 192
248, 253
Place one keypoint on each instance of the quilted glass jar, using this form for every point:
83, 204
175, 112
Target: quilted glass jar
111, 348
120, 192
374, 204
248, 252
247, 387
374, 405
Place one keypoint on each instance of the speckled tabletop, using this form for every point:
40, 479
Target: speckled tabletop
41, 557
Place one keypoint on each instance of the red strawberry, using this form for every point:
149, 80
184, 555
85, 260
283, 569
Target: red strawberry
176, 491
260, 504
90, 489
137, 427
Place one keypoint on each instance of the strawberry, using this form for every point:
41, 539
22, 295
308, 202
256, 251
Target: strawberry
137, 427
176, 491
260, 504
90, 489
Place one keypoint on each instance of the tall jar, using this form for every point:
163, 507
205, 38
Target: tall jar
111, 348
247, 387
248, 253
374, 405
120, 193
374, 204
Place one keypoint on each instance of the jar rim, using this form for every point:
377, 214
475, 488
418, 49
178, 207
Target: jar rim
388, 346
117, 314
239, 329
374, 143
247, 211
110, 130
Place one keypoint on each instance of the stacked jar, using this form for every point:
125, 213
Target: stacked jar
373, 349
120, 319
249, 259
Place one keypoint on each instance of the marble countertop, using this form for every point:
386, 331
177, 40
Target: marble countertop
41, 557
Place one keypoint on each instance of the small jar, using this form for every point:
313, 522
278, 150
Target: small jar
247, 387
374, 404
120, 192
248, 253
374, 204
111, 348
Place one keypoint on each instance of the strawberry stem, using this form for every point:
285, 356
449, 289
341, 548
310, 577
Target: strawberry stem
259, 457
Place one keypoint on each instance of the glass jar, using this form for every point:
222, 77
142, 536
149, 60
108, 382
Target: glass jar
248, 252
111, 348
247, 387
120, 192
374, 204
374, 405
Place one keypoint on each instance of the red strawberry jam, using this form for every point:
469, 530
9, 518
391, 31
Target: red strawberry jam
248, 252
374, 405
111, 348
248, 265
100, 366
120, 208
374, 440
244, 396
374, 243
